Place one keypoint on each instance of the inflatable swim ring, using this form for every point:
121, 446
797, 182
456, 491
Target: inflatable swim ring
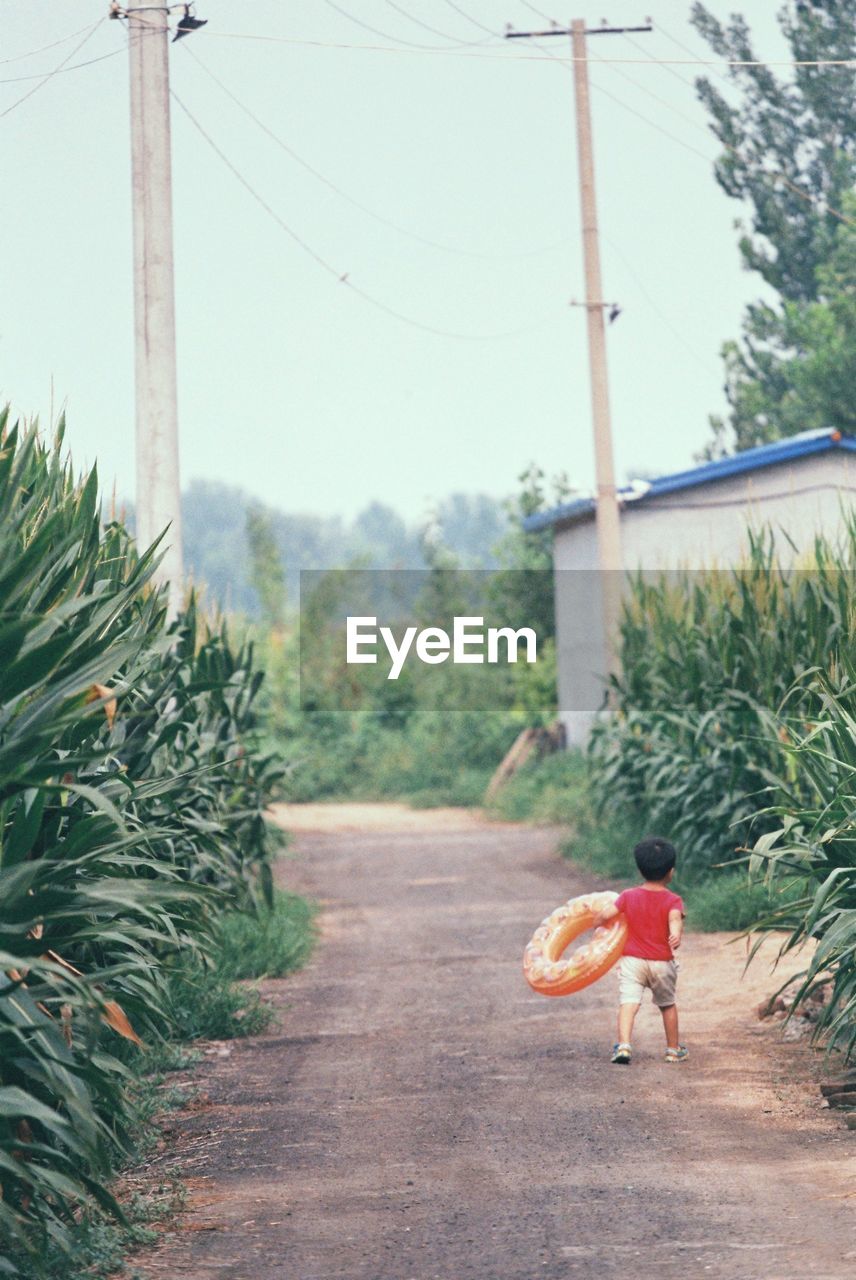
543, 966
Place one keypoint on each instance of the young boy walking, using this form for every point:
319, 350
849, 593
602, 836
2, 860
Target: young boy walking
655, 923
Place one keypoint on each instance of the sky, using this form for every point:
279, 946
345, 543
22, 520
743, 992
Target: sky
456, 206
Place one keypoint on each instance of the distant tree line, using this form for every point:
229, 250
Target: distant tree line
227, 534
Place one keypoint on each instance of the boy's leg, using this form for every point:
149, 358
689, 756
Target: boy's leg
630, 992
626, 1017
670, 1025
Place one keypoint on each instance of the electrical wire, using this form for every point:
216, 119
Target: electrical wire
470, 18
547, 55
538, 12
357, 204
61, 70
444, 35
454, 52
685, 48
20, 57
384, 35
339, 276
693, 124
624, 105
706, 365
666, 66
775, 176
44, 79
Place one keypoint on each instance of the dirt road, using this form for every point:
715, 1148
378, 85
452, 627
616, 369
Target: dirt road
420, 1114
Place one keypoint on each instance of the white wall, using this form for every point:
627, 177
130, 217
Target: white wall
703, 527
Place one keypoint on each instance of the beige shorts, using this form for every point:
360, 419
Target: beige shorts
659, 976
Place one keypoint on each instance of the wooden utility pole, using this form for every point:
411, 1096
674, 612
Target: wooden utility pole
606, 510
158, 495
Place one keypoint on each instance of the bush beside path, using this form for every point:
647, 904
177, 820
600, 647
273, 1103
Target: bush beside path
420, 1113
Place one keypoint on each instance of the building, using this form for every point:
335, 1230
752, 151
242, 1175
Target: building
697, 519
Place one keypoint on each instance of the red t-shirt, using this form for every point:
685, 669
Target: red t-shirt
647, 912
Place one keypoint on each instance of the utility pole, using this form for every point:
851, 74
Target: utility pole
158, 496
606, 509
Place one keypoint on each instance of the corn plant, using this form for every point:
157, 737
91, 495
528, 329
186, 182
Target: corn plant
813, 846
131, 808
708, 659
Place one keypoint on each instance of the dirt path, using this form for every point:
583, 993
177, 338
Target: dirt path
420, 1114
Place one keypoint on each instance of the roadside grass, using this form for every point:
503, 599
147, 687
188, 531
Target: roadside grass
465, 791
271, 944
217, 1001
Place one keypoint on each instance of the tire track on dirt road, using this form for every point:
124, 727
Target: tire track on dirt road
419, 1114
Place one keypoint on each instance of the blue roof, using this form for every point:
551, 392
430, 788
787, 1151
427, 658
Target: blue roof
807, 443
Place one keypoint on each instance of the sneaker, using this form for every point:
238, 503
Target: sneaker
621, 1054
676, 1055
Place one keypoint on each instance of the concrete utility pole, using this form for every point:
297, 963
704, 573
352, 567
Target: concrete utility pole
158, 497
606, 514
608, 532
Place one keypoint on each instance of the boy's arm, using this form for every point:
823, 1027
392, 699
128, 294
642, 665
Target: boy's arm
608, 913
676, 928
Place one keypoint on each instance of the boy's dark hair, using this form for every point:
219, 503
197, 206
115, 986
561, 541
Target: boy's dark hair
655, 857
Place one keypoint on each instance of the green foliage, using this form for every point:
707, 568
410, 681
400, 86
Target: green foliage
267, 574
131, 810
735, 725
555, 789
811, 850
521, 591
200, 1003
730, 901
269, 943
789, 153
707, 659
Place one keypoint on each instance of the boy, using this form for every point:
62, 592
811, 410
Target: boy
655, 920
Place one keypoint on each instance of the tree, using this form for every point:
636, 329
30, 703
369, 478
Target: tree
522, 587
266, 569
790, 154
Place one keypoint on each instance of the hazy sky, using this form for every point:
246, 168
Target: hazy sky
293, 386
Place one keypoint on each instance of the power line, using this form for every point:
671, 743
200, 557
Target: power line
694, 124
434, 31
470, 18
384, 35
538, 12
357, 204
666, 66
456, 52
679, 44
624, 105
20, 57
339, 276
658, 311
775, 176
50, 75
61, 70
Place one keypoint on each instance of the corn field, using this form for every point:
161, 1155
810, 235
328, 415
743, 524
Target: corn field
735, 727
131, 810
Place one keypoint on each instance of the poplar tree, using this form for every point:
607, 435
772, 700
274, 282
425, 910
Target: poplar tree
789, 156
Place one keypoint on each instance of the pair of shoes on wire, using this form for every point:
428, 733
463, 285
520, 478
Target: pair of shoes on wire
621, 1054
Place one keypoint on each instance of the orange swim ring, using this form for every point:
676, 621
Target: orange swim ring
543, 966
